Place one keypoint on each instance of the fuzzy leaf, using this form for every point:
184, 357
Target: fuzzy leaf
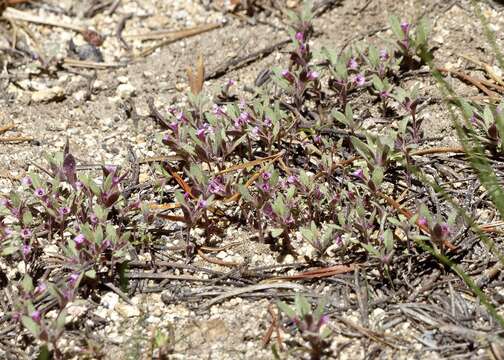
276, 232
302, 305
30, 325
283, 307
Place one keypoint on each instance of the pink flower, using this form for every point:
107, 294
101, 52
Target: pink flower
266, 175
286, 74
352, 64
26, 181
299, 36
26, 233
359, 173
64, 210
422, 222
384, 55
79, 239
312, 75
36, 316
26, 249
39, 192
359, 80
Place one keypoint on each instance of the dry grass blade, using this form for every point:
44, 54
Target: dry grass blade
14, 14
7, 128
250, 163
488, 69
252, 288
178, 36
15, 139
319, 273
196, 78
179, 180
90, 64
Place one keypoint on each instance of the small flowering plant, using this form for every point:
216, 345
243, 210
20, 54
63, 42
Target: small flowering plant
311, 324
321, 238
411, 42
46, 329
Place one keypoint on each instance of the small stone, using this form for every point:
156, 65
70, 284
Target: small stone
109, 300
80, 95
125, 90
126, 310
123, 79
47, 95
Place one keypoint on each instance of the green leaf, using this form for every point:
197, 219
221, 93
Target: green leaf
279, 206
276, 232
319, 310
388, 240
377, 175
44, 353
307, 234
395, 25
245, 193
27, 218
9, 250
302, 305
339, 116
91, 274
283, 307
60, 321
27, 284
30, 325
349, 112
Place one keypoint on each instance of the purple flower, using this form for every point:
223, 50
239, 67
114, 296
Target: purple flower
359, 80
181, 117
384, 55
215, 186
231, 82
267, 121
79, 239
201, 133
79, 185
286, 74
359, 173
40, 289
5, 203
36, 316
174, 126
473, 120
166, 139
337, 240
445, 230
26, 181
26, 233
384, 94
299, 36
39, 192
352, 64
186, 196
422, 221
255, 131
26, 249
93, 219
323, 320
218, 110
268, 210
266, 176
72, 279
265, 187
405, 26
312, 75
317, 139
201, 204
292, 179
242, 119
64, 210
